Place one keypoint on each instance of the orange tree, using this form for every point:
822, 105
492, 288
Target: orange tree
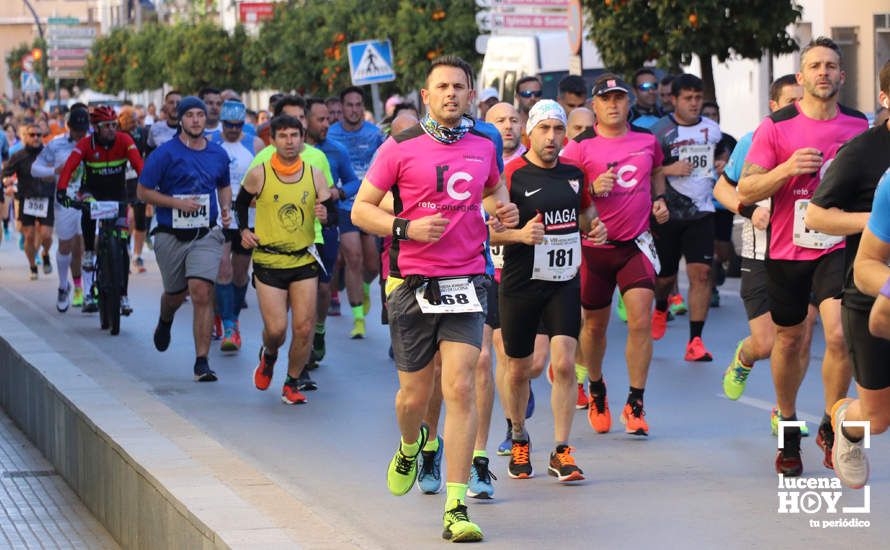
629, 33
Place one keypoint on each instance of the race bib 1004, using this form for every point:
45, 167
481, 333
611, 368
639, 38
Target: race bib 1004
192, 220
36, 206
806, 237
557, 258
456, 296
700, 156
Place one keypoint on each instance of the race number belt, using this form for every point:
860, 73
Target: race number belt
448, 295
557, 258
103, 210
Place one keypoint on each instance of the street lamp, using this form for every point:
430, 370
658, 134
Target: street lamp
36, 18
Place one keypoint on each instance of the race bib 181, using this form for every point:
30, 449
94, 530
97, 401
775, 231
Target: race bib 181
557, 258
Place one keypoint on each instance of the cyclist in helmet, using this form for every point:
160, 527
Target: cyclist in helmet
104, 155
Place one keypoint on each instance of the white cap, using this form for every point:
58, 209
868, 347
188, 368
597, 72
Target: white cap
544, 110
488, 93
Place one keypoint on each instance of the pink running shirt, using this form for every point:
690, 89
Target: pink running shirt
625, 210
775, 140
425, 177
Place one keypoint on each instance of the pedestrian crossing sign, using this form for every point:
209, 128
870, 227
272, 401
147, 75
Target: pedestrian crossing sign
370, 62
30, 83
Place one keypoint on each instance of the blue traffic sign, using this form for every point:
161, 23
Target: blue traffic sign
370, 62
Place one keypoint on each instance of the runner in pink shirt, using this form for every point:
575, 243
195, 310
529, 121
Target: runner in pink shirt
440, 173
790, 152
623, 164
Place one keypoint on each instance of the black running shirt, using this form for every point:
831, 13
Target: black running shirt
555, 194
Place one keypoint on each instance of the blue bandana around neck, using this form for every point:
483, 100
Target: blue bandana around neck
444, 134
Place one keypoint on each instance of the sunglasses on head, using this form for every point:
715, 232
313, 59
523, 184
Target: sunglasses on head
530, 93
648, 87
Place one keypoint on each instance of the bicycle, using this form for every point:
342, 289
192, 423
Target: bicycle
112, 262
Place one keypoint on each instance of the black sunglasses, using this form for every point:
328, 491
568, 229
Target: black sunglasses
531, 93
233, 124
648, 86
31, 134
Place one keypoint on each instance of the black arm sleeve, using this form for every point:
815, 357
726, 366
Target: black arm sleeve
333, 217
242, 208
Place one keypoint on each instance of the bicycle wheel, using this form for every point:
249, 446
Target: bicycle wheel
110, 284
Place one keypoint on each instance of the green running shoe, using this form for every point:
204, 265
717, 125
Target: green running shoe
403, 469
774, 418
458, 527
736, 376
621, 310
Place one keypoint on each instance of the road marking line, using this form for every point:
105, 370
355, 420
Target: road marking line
767, 406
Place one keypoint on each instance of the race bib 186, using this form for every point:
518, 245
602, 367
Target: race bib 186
456, 296
701, 157
806, 237
193, 220
557, 258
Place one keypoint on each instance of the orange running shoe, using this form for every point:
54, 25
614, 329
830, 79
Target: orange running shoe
582, 402
633, 418
562, 465
290, 395
262, 375
598, 413
520, 467
696, 351
659, 324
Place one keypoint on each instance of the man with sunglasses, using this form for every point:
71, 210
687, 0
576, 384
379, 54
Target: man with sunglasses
231, 283
34, 196
529, 91
645, 111
104, 155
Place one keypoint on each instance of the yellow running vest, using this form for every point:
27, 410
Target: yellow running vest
285, 217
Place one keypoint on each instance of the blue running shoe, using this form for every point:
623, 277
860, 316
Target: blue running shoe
429, 469
530, 407
480, 485
506, 446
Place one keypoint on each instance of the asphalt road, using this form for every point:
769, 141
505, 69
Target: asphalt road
704, 477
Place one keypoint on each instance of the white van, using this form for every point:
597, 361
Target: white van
545, 55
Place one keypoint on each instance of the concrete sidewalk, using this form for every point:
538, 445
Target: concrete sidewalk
38, 509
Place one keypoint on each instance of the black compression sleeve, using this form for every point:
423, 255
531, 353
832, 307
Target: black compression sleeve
333, 217
242, 208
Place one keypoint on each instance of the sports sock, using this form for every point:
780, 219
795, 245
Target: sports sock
225, 302
240, 293
410, 449
661, 305
63, 263
432, 445
481, 453
580, 373
78, 282
597, 387
455, 491
358, 312
319, 328
695, 329
635, 394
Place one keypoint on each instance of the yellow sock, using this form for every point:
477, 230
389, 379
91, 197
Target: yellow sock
580, 373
